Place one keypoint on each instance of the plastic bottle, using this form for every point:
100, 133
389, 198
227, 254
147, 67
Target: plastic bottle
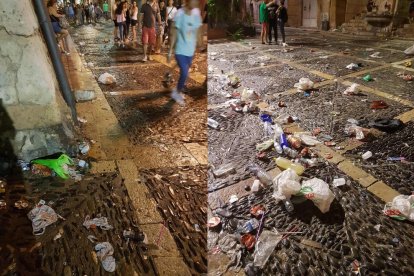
261, 174
268, 128
212, 123
288, 205
278, 130
287, 164
276, 140
277, 146
290, 152
283, 141
367, 155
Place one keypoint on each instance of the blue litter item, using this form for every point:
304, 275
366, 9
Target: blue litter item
266, 118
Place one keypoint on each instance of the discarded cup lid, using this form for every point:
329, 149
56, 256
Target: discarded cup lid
213, 222
248, 240
21, 204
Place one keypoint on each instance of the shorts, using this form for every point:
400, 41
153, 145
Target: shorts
115, 23
265, 24
134, 22
148, 36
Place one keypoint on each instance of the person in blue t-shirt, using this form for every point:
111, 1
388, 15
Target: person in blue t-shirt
185, 35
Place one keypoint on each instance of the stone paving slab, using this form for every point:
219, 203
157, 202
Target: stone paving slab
388, 81
336, 65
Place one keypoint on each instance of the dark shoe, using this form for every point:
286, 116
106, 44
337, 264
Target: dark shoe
387, 125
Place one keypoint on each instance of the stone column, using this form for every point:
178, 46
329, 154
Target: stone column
28, 87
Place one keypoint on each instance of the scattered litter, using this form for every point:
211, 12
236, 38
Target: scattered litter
396, 158
213, 222
233, 199
408, 63
366, 155
248, 241
378, 105
81, 43
41, 217
59, 165
387, 125
82, 120
106, 78
84, 95
318, 191
286, 184
104, 252
304, 84
337, 182
368, 78
311, 243
212, 123
376, 55
352, 66
377, 227
130, 235
21, 204
3, 204
92, 238
401, 208
265, 246
261, 174
353, 89
369, 49
224, 170
285, 164
84, 148
101, 222
256, 186
90, 64
409, 51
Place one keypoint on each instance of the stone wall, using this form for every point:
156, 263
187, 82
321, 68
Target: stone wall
28, 88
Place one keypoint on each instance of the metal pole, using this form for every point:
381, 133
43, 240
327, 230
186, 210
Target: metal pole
50, 39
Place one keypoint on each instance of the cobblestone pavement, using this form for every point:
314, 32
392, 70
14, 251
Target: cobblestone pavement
346, 233
181, 195
165, 139
72, 254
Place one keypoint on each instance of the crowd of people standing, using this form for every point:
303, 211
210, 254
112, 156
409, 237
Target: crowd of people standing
271, 16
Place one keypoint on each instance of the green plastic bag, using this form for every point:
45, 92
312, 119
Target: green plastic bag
57, 165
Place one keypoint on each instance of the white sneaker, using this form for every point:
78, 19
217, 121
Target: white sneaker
284, 44
177, 97
145, 59
149, 58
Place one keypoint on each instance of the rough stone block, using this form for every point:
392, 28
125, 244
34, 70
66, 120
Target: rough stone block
36, 83
18, 17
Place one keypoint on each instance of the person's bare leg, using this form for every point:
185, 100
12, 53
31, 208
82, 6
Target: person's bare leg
262, 34
145, 52
149, 51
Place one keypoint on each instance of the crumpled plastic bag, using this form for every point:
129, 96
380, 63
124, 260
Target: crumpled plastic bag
286, 184
104, 252
41, 217
401, 208
352, 89
409, 51
101, 222
352, 66
265, 246
304, 84
353, 129
248, 95
264, 145
106, 78
318, 191
308, 140
59, 165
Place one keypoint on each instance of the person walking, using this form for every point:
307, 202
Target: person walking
113, 16
92, 14
185, 35
264, 21
282, 18
161, 27
105, 10
150, 12
171, 11
120, 19
134, 20
127, 20
79, 11
71, 13
272, 7
87, 15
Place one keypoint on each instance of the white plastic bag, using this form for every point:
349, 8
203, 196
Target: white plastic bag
409, 51
265, 247
352, 89
304, 84
106, 78
318, 191
401, 208
308, 140
248, 95
286, 184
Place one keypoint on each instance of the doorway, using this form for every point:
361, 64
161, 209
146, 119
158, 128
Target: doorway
310, 13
